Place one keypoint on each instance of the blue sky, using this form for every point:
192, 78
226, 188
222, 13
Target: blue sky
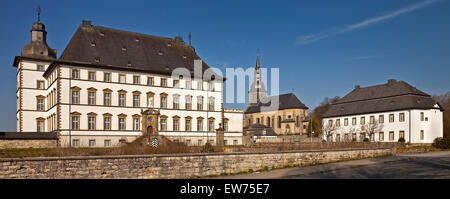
322, 48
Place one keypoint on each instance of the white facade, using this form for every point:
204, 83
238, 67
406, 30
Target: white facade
59, 111
416, 126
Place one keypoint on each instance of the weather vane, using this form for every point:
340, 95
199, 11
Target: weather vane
38, 10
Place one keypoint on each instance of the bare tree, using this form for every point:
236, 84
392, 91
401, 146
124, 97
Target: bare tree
372, 127
329, 129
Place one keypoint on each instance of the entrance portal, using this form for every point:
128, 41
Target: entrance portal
149, 131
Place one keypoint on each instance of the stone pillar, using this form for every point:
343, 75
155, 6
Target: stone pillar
220, 137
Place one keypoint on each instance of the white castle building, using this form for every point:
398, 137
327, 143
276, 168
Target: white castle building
111, 86
384, 113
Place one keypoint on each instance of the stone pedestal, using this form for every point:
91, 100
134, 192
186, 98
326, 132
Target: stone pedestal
220, 137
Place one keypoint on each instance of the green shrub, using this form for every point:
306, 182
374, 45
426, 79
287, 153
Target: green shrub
401, 140
366, 140
441, 143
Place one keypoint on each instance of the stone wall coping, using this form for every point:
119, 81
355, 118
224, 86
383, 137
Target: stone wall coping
176, 155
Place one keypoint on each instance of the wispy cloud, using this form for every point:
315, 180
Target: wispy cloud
306, 39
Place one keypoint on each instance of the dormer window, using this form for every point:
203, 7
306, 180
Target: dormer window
137, 39
184, 57
129, 63
160, 53
102, 34
169, 45
92, 43
97, 59
124, 48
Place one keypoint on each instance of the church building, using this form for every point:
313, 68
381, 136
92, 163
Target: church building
286, 118
111, 86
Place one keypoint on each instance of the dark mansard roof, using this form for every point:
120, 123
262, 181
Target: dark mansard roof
394, 95
286, 101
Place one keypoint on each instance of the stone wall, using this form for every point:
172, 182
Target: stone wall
19, 143
173, 166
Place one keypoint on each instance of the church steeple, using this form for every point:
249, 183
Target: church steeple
38, 46
257, 89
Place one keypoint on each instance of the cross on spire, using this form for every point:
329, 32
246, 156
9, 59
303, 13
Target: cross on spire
38, 10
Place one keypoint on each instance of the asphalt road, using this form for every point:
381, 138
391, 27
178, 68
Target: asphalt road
435, 165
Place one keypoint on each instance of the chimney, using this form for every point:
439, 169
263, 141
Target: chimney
86, 23
391, 81
357, 87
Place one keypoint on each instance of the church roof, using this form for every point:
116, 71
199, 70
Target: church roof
133, 51
286, 101
394, 95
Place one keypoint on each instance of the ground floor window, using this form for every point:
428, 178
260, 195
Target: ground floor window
107, 143
91, 143
402, 134
235, 142
225, 142
75, 142
422, 135
200, 142
338, 137
391, 136
381, 136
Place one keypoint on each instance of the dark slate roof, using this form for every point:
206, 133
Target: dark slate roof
111, 47
28, 136
286, 101
394, 95
258, 130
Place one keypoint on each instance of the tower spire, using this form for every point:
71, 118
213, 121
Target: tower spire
257, 59
38, 10
190, 36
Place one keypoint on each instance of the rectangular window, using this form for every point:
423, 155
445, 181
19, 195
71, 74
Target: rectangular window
163, 124
91, 123
122, 78
176, 125
121, 123
107, 143
150, 81
199, 142
188, 84
91, 75
107, 99
346, 122
381, 136
106, 123
188, 103
363, 120
163, 82
199, 125
75, 123
354, 121
210, 125
121, 99
211, 86
200, 103
391, 118
401, 117
75, 97
401, 134
76, 143
91, 143
188, 142
107, 77
176, 102
211, 104
338, 123
91, 98
330, 123
422, 116
391, 135
163, 102
75, 74
40, 84
136, 101
136, 123
40, 67
40, 126
225, 126
200, 85
235, 142
188, 125
381, 119
422, 135
150, 101
225, 142
136, 80
372, 120
176, 83
40, 104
